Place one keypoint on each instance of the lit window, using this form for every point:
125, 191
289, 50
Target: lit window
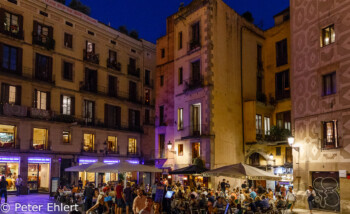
328, 35
66, 137
7, 136
180, 149
11, 23
112, 144
89, 47
180, 119
329, 84
66, 105
41, 100
267, 125
12, 94
88, 142
330, 135
132, 147
258, 121
40, 139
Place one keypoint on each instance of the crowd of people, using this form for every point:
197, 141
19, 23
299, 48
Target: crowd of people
140, 199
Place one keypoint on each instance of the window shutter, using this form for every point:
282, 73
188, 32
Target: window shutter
61, 104
2, 19
137, 118
50, 32
18, 95
93, 48
4, 93
50, 68
1, 54
48, 100
118, 116
93, 112
72, 104
35, 29
130, 118
35, 99
20, 24
106, 115
19, 60
323, 142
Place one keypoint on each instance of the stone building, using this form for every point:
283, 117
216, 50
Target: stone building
73, 91
320, 99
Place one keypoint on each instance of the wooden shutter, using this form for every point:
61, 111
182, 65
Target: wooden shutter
137, 118
35, 99
93, 48
106, 115
4, 93
20, 24
35, 29
93, 112
50, 68
18, 95
19, 60
1, 45
130, 118
61, 104
50, 32
2, 19
72, 106
48, 100
118, 116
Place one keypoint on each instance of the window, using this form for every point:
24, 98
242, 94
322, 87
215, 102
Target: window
267, 125
132, 146
148, 77
180, 40
43, 13
112, 116
40, 138
134, 120
43, 35
11, 60
10, 94
90, 83
90, 47
67, 105
258, 121
68, 40
281, 53
163, 53
69, 24
161, 115
180, 80
289, 155
195, 36
11, 24
7, 136
196, 148
132, 68
89, 112
161, 80
132, 91
254, 159
41, 100
259, 83
278, 151
330, 135
89, 141
180, 123
329, 84
91, 33
147, 117
195, 73
282, 85
43, 68
66, 137
67, 71
259, 57
147, 97
284, 120
112, 61
112, 144
196, 120
112, 86
328, 35
161, 138
180, 149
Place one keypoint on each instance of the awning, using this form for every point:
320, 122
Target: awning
124, 167
190, 170
84, 167
242, 171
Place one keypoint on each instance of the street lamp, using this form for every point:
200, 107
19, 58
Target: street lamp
170, 145
291, 141
271, 156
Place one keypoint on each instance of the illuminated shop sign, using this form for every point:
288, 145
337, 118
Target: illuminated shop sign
85, 161
39, 160
9, 159
133, 161
111, 161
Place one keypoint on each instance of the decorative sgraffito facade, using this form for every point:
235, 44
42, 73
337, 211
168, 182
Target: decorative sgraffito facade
321, 101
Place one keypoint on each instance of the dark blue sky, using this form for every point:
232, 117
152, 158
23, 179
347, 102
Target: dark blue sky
148, 17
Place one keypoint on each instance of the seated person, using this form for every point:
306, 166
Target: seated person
193, 202
219, 203
265, 202
280, 203
202, 201
258, 203
252, 206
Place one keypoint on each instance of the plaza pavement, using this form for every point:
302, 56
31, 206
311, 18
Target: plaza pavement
43, 200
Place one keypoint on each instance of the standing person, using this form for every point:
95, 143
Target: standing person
3, 188
283, 191
18, 185
88, 195
139, 202
310, 193
227, 184
119, 198
99, 203
148, 208
127, 196
80, 183
244, 185
290, 198
154, 190
223, 186
252, 194
278, 189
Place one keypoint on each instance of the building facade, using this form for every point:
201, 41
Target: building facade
320, 99
268, 117
73, 91
205, 59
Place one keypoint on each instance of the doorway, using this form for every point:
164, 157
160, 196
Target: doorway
39, 177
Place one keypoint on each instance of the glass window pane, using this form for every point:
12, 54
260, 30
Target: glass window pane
39, 139
12, 94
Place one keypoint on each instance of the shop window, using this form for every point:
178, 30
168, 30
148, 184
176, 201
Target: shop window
278, 151
180, 149
10, 171
10, 94
89, 141
282, 85
330, 135
132, 146
180, 80
67, 105
281, 53
196, 148
11, 60
7, 136
329, 84
40, 139
258, 123
267, 125
67, 71
68, 40
41, 100
112, 144
66, 137
328, 35
180, 122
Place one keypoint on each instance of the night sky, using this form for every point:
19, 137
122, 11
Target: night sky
148, 17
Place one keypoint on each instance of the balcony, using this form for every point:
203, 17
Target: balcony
193, 84
149, 83
40, 114
88, 149
45, 41
135, 128
133, 71
149, 121
195, 131
14, 31
39, 145
15, 110
113, 64
91, 57
88, 87
275, 134
194, 44
149, 102
111, 150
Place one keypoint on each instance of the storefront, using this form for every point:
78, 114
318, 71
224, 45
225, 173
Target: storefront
9, 167
87, 177
110, 177
39, 174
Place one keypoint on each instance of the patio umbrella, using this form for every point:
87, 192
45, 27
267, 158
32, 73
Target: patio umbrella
84, 167
242, 171
124, 167
189, 170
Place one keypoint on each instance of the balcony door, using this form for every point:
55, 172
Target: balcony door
196, 119
196, 148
